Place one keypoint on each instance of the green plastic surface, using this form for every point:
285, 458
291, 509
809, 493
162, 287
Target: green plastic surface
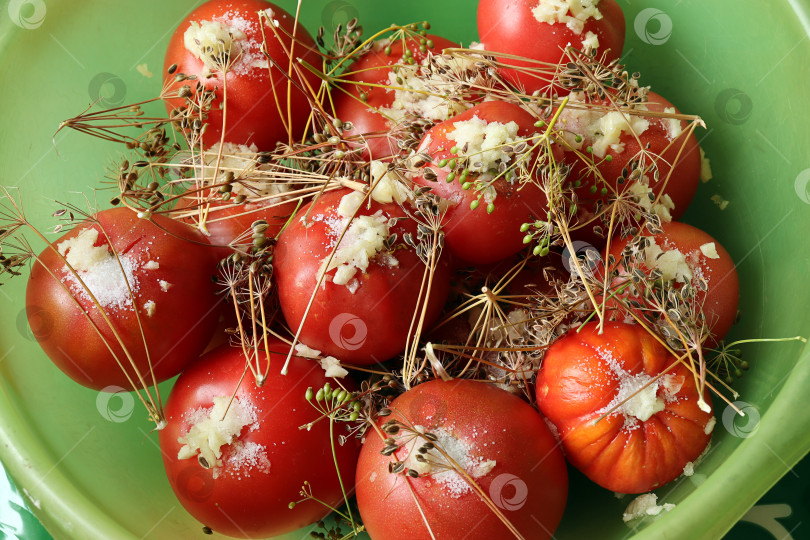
90, 462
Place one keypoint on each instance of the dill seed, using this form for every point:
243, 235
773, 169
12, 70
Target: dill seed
388, 450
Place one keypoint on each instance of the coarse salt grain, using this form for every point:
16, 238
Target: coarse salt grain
440, 469
99, 271
214, 427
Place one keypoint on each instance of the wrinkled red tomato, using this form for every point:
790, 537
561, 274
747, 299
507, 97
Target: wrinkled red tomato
627, 417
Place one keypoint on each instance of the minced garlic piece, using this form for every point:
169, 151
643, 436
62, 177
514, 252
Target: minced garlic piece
606, 132
672, 263
662, 208
705, 167
389, 185
363, 240
80, 251
719, 201
214, 428
591, 41
710, 250
332, 367
554, 11
672, 125
484, 141
645, 505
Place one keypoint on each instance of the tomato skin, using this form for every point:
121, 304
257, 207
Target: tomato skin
474, 235
497, 426
368, 125
722, 297
372, 324
252, 111
185, 315
253, 504
227, 222
508, 26
684, 177
575, 386
373, 68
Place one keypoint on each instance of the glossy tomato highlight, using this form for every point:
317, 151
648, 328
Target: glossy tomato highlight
501, 444
261, 103
244, 487
628, 415
164, 300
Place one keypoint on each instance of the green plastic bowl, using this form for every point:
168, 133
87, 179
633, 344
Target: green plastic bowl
90, 466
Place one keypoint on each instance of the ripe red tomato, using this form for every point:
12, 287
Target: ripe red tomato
719, 301
169, 269
254, 93
647, 441
478, 235
265, 458
367, 319
361, 104
664, 140
511, 27
500, 441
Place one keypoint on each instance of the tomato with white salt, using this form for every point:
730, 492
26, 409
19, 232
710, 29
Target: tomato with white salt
540, 30
226, 221
221, 44
686, 254
119, 298
617, 143
234, 452
382, 87
629, 415
430, 468
362, 309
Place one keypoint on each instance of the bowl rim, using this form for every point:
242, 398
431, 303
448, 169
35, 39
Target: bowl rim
66, 511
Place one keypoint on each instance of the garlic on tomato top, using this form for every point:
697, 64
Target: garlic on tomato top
557, 11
